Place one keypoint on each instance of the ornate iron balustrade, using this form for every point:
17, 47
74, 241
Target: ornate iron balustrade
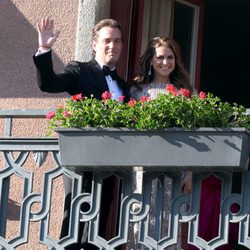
151, 219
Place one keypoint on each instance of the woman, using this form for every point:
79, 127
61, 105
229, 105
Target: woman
161, 65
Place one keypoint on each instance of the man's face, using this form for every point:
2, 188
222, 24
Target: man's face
108, 46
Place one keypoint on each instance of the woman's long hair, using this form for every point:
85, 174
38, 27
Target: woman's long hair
179, 76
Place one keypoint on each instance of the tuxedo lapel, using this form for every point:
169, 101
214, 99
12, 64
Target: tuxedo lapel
100, 80
125, 89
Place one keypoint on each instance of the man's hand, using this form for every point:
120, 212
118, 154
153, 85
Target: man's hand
46, 35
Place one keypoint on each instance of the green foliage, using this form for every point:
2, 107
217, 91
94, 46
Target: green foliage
165, 111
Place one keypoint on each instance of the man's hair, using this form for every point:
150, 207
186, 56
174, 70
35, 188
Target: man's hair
104, 23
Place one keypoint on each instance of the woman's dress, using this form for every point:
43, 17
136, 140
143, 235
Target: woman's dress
150, 90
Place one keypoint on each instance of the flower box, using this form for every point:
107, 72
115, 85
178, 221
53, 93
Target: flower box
120, 149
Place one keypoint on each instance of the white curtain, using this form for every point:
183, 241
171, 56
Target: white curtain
157, 20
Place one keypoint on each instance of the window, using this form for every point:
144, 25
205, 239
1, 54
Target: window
185, 32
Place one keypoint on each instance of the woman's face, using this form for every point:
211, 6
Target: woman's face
163, 63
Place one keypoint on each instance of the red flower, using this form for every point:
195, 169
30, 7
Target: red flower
106, 95
171, 89
184, 92
121, 98
132, 102
66, 113
144, 99
77, 97
50, 114
202, 95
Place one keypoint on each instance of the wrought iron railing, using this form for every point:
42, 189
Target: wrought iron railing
154, 219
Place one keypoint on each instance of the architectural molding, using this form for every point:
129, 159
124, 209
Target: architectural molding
89, 13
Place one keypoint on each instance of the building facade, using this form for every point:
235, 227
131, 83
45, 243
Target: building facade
213, 35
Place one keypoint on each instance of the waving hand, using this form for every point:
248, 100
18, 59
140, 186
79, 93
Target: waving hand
46, 34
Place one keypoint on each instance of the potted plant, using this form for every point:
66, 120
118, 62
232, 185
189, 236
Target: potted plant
172, 131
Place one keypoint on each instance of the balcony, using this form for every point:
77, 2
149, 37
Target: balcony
150, 215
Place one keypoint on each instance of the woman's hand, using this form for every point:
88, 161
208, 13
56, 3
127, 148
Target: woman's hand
46, 35
187, 183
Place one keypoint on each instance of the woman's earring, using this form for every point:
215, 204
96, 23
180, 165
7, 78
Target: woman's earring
149, 71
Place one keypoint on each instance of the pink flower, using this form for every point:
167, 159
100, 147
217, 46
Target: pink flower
171, 89
121, 98
106, 95
66, 113
77, 97
50, 114
202, 95
184, 92
144, 99
132, 102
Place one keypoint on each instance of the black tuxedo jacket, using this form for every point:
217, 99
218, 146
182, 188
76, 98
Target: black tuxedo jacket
77, 77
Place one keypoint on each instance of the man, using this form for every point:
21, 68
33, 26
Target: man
89, 78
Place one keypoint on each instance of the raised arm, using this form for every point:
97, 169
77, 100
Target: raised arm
46, 34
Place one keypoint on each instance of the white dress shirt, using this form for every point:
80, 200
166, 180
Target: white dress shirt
112, 84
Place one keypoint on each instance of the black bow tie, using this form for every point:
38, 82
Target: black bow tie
106, 70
